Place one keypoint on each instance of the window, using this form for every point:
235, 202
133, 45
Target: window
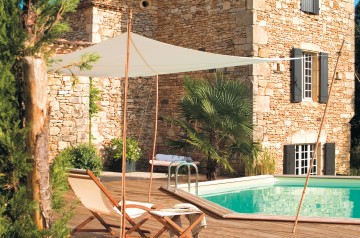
297, 158
309, 76
303, 156
310, 6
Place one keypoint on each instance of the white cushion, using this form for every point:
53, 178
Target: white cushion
171, 158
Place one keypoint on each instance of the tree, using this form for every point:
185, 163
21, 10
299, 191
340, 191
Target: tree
43, 22
355, 122
15, 204
217, 120
27, 27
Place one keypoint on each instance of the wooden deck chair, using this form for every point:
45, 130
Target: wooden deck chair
95, 197
170, 217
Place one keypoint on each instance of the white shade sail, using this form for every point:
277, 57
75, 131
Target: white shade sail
147, 58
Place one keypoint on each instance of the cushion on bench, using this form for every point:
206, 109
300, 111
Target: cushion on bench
171, 158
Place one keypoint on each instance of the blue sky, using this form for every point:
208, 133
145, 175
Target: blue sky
356, 1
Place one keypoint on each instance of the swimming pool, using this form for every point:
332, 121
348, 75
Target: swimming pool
334, 199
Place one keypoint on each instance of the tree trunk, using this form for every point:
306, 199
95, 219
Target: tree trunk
211, 169
36, 118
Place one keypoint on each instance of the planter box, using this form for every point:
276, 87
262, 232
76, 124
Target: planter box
130, 166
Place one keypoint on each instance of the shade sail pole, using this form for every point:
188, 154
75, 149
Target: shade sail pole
155, 134
318, 139
123, 180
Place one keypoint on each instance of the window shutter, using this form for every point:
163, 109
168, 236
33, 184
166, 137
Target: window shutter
329, 157
296, 76
323, 93
289, 159
310, 6
316, 7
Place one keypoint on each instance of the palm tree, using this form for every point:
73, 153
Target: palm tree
217, 120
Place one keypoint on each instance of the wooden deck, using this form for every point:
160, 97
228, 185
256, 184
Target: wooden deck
137, 190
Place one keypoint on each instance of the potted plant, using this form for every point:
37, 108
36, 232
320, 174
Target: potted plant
133, 152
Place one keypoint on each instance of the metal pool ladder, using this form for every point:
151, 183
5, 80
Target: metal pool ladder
189, 165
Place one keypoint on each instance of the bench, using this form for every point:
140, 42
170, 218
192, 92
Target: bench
167, 160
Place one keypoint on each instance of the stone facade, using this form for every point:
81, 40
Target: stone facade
262, 28
281, 26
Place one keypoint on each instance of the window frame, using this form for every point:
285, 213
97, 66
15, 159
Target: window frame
310, 79
303, 156
319, 78
307, 85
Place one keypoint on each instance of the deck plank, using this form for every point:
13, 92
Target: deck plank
137, 190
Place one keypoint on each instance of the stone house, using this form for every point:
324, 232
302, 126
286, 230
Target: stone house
289, 97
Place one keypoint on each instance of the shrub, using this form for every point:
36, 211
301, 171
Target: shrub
261, 163
133, 151
83, 156
59, 171
355, 159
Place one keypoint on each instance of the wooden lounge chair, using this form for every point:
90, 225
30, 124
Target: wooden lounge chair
170, 218
95, 197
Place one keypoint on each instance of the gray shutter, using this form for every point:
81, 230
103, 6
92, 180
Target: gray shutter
323, 89
310, 6
316, 7
289, 159
307, 5
329, 157
296, 76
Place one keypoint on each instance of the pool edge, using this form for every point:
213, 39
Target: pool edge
229, 214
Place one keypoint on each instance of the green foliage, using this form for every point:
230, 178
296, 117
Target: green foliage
20, 208
217, 120
58, 179
355, 121
45, 22
94, 97
12, 36
262, 162
87, 61
355, 159
15, 206
22, 32
115, 150
82, 156
59, 171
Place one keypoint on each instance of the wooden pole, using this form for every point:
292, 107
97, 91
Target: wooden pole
155, 134
317, 141
123, 180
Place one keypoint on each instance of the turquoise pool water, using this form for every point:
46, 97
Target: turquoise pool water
325, 197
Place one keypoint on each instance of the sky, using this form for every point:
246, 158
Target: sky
356, 1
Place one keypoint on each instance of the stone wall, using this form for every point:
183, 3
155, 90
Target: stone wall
69, 99
212, 26
69, 117
280, 26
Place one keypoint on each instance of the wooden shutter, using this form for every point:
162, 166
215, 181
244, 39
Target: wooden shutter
323, 89
316, 7
310, 6
289, 159
296, 76
329, 157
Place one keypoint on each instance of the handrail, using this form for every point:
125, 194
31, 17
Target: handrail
173, 163
189, 173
